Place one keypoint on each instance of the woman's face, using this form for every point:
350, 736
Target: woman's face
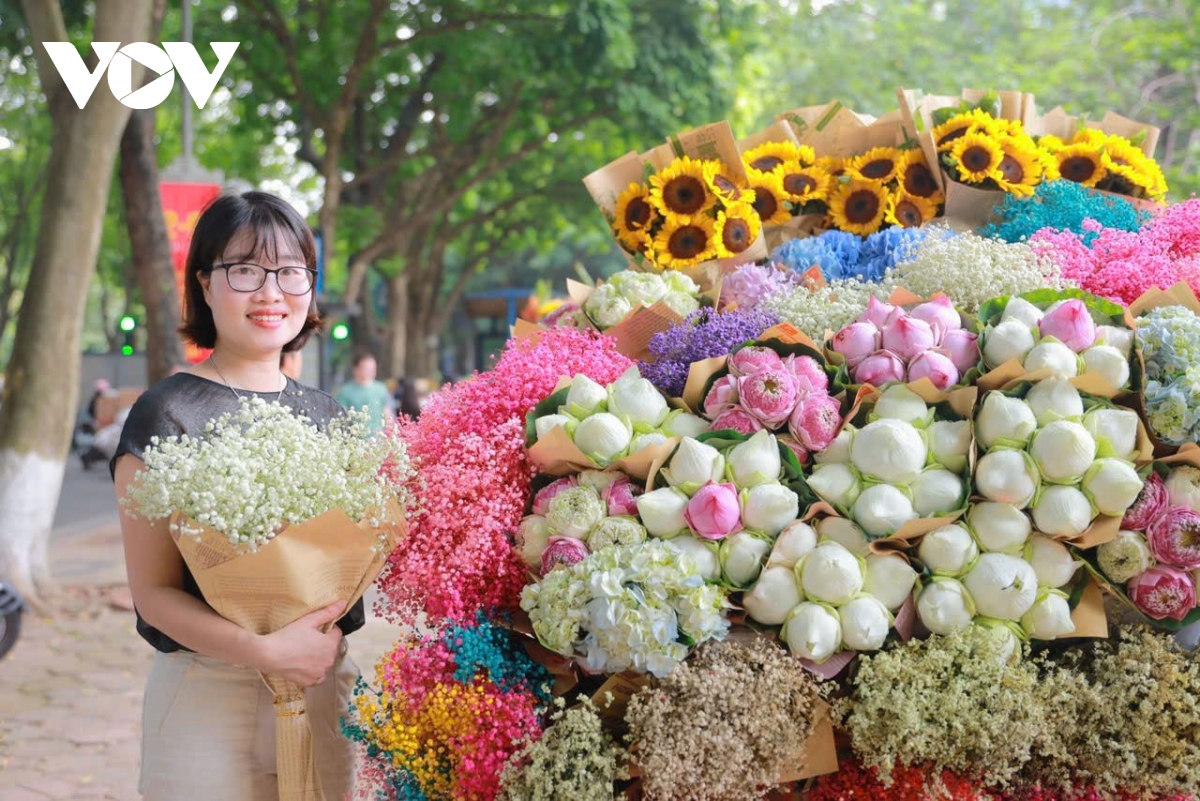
261, 321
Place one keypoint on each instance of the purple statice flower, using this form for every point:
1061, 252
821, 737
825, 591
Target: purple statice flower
751, 284
702, 334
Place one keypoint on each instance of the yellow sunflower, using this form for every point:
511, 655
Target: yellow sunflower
977, 156
1090, 136
958, 126
684, 242
633, 217
857, 206
682, 187
770, 155
1126, 162
736, 229
915, 176
1051, 143
728, 190
909, 211
769, 197
834, 165
1049, 164
1000, 126
1019, 170
802, 184
806, 155
1081, 163
877, 164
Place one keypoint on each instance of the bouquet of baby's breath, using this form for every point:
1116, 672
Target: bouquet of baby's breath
266, 466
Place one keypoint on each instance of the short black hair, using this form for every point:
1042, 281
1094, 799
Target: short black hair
266, 217
361, 357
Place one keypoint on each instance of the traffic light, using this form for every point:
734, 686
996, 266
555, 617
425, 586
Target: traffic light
127, 325
340, 332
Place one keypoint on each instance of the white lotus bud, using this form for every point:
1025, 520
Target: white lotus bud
813, 631
1062, 512
898, 402
999, 527
846, 532
838, 450
603, 437
836, 483
532, 534
1053, 356
937, 490
742, 557
1003, 418
1010, 339
949, 443
1051, 561
948, 550
635, 398
1109, 363
1007, 476
1116, 427
1114, 337
705, 555
682, 424
662, 512
1003, 586
1112, 485
890, 578
1050, 617
944, 606
773, 596
1022, 310
881, 510
693, 465
794, 543
1054, 399
865, 623
646, 440
585, 397
755, 461
1063, 451
891, 450
832, 574
769, 507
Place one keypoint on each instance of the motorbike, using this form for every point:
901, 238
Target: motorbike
12, 606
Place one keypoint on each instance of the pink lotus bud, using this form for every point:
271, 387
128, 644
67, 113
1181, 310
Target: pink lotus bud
621, 497
1174, 537
935, 366
722, 395
809, 373
541, 501
1163, 592
879, 368
714, 511
962, 347
562, 551
769, 395
907, 336
815, 421
752, 359
1071, 324
879, 313
939, 313
1148, 506
856, 342
795, 447
736, 419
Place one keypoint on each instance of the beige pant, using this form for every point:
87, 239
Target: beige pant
208, 731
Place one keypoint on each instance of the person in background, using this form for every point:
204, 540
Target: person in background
364, 392
100, 389
291, 364
406, 398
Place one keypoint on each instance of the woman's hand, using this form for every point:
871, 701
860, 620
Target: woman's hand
300, 652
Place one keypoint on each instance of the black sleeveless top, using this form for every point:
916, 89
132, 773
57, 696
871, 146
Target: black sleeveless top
184, 404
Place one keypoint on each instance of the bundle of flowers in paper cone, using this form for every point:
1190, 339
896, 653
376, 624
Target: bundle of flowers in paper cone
978, 149
1107, 162
629, 290
1067, 333
887, 343
1170, 341
689, 212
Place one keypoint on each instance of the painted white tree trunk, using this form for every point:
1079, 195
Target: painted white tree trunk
29, 489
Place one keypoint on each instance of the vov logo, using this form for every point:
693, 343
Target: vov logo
178, 57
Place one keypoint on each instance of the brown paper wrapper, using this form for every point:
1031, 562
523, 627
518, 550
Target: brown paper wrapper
778, 131
633, 334
1012, 372
1058, 122
698, 375
1154, 298
306, 567
1088, 615
820, 751
523, 329
968, 207
622, 686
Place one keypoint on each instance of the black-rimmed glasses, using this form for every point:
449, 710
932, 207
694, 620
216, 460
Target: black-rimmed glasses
247, 277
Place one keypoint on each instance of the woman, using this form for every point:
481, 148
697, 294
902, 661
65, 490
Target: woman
208, 724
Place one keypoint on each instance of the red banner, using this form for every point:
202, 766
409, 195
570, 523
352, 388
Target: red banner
182, 204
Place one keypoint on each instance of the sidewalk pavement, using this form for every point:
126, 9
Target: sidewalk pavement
71, 689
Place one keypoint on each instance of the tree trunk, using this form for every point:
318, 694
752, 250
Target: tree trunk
395, 353
43, 376
421, 341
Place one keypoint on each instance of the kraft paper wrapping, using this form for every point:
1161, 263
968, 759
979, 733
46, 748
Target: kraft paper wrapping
306, 567
1057, 122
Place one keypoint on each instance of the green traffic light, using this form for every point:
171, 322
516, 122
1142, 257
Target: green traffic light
340, 331
128, 323
127, 350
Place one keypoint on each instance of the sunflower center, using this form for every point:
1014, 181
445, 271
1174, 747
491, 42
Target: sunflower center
726, 187
952, 135
799, 184
766, 163
735, 236
687, 242
684, 195
878, 169
637, 214
918, 180
1077, 168
765, 203
908, 214
976, 159
862, 206
1012, 170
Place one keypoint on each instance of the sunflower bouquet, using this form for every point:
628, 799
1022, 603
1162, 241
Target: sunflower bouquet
1115, 155
987, 152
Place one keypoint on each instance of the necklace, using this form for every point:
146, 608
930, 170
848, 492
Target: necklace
234, 391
